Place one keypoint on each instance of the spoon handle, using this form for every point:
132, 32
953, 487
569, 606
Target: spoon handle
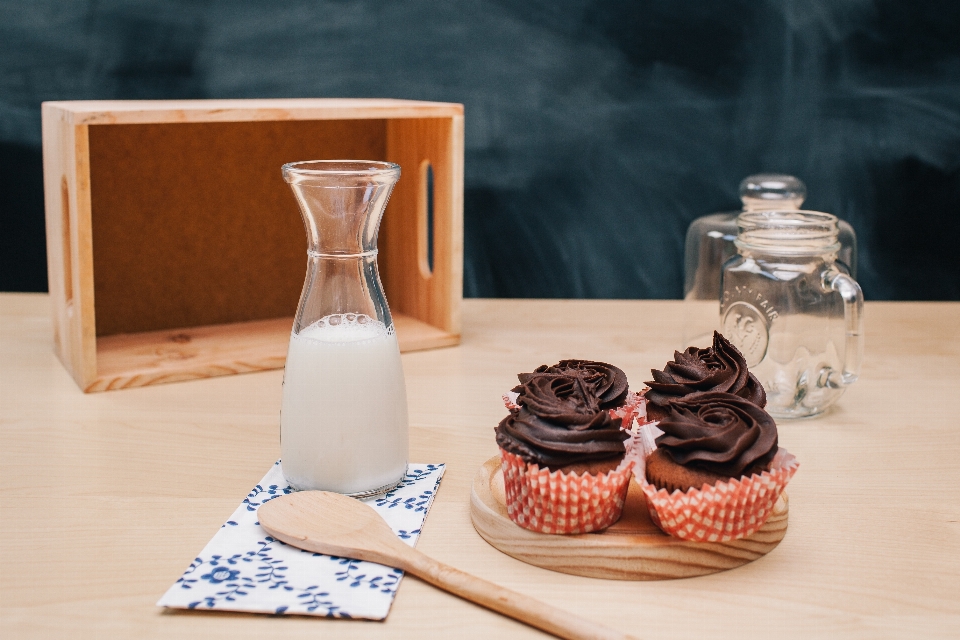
510, 603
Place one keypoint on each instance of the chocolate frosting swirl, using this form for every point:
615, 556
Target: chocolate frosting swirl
560, 422
719, 368
607, 381
718, 432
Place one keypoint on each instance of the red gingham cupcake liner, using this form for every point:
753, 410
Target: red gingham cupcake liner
556, 502
726, 511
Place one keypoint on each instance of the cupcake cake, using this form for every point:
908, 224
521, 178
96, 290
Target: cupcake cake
563, 449
720, 368
717, 469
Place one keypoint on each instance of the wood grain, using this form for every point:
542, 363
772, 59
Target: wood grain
336, 525
191, 353
66, 187
87, 112
433, 297
193, 224
108, 497
633, 548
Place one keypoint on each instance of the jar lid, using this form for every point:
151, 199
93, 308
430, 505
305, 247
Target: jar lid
765, 191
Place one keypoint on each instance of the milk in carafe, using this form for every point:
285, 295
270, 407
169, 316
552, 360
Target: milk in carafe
343, 420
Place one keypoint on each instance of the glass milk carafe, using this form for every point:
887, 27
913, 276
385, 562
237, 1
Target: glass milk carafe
709, 244
343, 421
793, 310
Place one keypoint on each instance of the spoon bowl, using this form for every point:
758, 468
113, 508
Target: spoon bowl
332, 524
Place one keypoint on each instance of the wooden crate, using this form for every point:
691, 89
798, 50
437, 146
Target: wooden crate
176, 251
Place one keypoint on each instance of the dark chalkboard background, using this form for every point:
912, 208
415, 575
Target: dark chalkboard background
596, 130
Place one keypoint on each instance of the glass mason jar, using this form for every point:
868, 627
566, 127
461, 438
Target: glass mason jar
709, 244
793, 309
343, 420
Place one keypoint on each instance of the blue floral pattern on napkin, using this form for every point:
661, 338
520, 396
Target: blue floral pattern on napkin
244, 569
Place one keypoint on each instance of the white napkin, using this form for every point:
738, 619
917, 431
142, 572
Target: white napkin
244, 569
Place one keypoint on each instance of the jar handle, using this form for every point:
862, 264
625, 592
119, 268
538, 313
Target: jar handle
849, 290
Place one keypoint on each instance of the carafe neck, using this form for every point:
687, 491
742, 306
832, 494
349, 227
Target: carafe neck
342, 203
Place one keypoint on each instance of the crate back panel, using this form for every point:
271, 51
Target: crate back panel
194, 223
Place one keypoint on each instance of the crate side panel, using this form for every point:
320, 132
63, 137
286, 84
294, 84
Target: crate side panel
66, 205
432, 298
83, 281
454, 228
58, 170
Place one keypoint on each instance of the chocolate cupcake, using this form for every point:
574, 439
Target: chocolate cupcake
709, 438
720, 368
560, 423
563, 456
717, 469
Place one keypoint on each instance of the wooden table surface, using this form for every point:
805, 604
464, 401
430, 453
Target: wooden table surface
107, 497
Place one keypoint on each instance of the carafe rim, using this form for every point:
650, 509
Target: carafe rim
318, 170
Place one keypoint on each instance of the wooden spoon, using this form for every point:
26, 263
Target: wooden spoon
336, 525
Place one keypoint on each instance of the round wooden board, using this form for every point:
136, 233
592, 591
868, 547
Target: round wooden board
632, 549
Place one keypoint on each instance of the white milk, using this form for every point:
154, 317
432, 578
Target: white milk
343, 421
